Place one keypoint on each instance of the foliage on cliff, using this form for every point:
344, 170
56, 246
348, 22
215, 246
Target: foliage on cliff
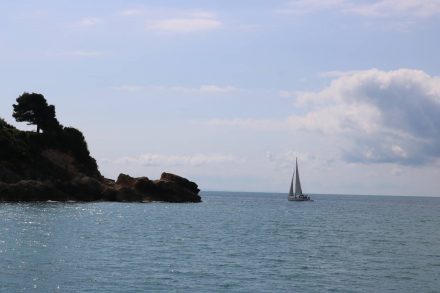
23, 151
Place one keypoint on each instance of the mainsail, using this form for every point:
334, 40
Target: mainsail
298, 190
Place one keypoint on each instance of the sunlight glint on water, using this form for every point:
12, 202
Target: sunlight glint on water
239, 242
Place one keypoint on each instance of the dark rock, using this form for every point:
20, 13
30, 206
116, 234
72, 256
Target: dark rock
128, 194
89, 189
191, 186
31, 190
125, 180
109, 194
175, 192
7, 175
170, 188
145, 185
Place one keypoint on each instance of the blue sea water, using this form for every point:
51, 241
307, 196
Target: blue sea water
232, 242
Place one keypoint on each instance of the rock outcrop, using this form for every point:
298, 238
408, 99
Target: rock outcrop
169, 188
84, 188
58, 167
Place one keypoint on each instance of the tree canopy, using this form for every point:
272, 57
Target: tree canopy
34, 109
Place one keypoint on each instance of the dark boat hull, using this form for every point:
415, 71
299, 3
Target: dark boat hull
297, 198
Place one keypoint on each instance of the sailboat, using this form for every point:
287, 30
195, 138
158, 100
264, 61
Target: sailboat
298, 194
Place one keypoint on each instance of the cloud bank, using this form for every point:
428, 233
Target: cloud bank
376, 116
389, 116
196, 160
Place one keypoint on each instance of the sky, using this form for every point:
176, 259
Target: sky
228, 93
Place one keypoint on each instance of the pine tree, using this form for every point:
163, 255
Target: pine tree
33, 108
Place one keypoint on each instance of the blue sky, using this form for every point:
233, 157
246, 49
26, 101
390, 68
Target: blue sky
228, 93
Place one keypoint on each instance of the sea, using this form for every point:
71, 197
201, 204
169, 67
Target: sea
231, 242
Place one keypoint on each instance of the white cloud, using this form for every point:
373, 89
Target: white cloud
398, 14
184, 25
287, 159
89, 21
351, 118
129, 88
161, 160
396, 8
210, 89
214, 89
195, 21
399, 151
309, 6
258, 124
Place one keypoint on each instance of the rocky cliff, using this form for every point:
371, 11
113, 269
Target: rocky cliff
57, 166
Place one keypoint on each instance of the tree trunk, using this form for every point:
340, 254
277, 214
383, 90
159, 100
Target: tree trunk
38, 128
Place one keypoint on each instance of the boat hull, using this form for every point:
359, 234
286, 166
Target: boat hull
296, 198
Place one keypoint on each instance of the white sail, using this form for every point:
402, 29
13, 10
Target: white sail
298, 190
291, 185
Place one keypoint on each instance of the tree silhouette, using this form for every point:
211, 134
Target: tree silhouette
33, 108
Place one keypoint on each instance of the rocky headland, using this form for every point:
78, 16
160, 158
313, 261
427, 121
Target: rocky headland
56, 165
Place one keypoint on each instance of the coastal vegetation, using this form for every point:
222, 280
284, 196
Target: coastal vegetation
54, 163
25, 146
33, 108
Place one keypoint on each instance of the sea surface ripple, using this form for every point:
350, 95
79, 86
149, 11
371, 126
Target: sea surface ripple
231, 242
